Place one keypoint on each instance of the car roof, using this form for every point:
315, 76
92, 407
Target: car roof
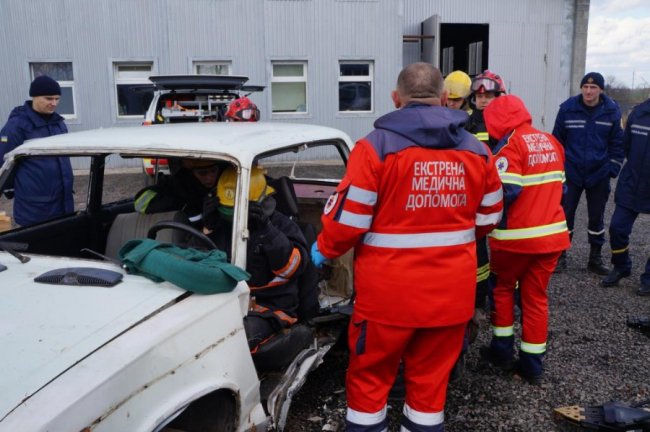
242, 141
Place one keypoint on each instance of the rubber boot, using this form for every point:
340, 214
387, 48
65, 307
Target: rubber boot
595, 264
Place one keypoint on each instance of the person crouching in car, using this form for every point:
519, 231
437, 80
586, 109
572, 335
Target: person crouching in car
276, 255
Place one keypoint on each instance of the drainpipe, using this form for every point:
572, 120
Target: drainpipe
580, 27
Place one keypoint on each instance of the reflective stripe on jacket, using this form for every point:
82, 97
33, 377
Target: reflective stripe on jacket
417, 192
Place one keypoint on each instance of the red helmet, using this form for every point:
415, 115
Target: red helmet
488, 82
243, 109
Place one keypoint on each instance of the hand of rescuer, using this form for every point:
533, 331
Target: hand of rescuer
316, 257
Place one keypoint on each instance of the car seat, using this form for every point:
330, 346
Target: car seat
128, 226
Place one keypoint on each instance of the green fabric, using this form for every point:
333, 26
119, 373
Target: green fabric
197, 271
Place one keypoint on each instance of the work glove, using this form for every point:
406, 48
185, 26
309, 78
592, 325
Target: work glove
210, 213
316, 257
258, 219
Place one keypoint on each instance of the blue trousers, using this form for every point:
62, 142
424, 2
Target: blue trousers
597, 197
620, 229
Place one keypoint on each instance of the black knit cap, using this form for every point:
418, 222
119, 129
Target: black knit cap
593, 78
44, 86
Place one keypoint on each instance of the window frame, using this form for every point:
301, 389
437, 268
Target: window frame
304, 78
129, 81
370, 78
223, 63
63, 83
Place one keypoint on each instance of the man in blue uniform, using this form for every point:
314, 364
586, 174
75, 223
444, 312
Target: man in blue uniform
589, 127
632, 197
42, 187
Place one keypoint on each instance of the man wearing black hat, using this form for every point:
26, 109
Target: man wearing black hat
42, 187
589, 127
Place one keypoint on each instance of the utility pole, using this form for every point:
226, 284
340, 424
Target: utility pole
633, 71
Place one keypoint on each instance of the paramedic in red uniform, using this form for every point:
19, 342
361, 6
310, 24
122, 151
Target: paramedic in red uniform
418, 191
530, 237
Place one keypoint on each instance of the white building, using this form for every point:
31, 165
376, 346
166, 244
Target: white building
329, 62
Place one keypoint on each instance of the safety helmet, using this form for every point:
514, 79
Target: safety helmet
458, 85
243, 109
488, 82
227, 185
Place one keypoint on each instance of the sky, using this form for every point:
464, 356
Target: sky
618, 41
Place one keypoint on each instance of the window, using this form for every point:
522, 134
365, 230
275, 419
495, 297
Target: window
289, 87
355, 86
211, 68
475, 58
62, 73
133, 88
447, 60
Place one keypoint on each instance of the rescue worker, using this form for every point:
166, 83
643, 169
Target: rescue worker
417, 192
242, 109
632, 197
41, 187
277, 254
457, 85
589, 127
190, 182
532, 234
485, 88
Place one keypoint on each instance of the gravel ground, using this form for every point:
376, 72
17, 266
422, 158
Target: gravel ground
592, 355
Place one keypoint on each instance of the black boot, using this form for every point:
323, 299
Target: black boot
595, 264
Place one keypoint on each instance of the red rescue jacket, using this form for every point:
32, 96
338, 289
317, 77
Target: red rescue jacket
531, 167
417, 193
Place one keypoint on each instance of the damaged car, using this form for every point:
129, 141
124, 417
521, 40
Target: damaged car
89, 344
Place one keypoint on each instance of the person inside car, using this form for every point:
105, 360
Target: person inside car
185, 189
276, 256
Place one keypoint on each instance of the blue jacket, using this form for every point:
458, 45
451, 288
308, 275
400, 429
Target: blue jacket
633, 187
42, 186
592, 140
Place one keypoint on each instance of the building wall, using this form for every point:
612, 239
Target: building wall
530, 45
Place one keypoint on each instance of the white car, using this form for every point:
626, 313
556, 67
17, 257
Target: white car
141, 355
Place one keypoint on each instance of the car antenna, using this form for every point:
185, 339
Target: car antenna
104, 257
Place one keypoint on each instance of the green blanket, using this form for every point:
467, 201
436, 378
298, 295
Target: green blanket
197, 271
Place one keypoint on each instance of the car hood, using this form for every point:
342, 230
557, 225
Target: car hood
45, 329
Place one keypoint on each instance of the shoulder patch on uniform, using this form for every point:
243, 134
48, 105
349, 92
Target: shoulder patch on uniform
502, 164
331, 202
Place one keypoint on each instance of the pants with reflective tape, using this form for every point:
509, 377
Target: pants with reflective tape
620, 229
376, 349
597, 197
533, 272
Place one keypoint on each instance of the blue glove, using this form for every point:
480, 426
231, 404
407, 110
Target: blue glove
316, 257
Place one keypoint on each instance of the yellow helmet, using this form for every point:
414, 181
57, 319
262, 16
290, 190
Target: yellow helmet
227, 185
458, 84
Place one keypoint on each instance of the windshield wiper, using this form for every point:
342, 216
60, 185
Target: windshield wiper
12, 247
